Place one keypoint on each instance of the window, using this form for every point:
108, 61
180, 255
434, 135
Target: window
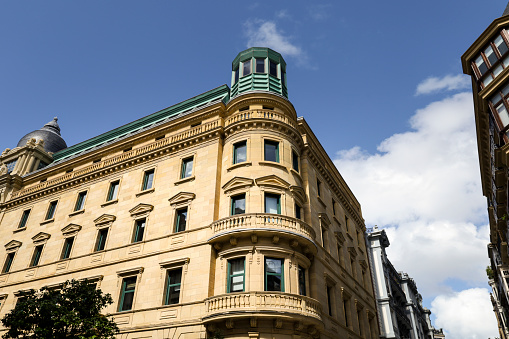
239, 152
246, 67
66, 251
181, 220
236, 269
298, 212
346, 222
24, 219
8, 262
271, 150
318, 187
274, 279
272, 203
333, 207
272, 68
50, 214
359, 319
127, 294
324, 237
101, 239
238, 204
492, 60
139, 229
260, 65
283, 74
80, 202
302, 280
42, 164
10, 165
236, 75
295, 161
499, 105
173, 282
148, 180
113, 191
36, 257
187, 168
340, 254
346, 306
329, 299
354, 267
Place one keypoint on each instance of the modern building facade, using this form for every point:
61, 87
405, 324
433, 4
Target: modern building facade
220, 214
399, 303
487, 61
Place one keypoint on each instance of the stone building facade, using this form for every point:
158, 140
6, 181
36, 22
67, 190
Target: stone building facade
222, 213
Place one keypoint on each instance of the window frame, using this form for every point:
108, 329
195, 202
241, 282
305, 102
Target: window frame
230, 276
247, 62
9, 260
123, 293
267, 142
36, 256
501, 60
51, 211
67, 249
112, 194
24, 220
274, 195
298, 211
147, 179
257, 64
266, 274
295, 161
139, 224
235, 155
233, 200
99, 238
80, 201
168, 285
301, 280
177, 219
319, 188
183, 167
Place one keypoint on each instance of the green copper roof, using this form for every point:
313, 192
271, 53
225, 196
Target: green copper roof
258, 52
220, 93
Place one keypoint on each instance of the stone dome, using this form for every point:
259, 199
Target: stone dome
50, 133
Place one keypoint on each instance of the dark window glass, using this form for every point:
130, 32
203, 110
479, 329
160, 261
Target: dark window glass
187, 168
271, 150
10, 165
181, 220
324, 237
238, 204
274, 275
246, 67
490, 55
481, 65
36, 257
297, 212
239, 152
235, 275
283, 76
8, 262
345, 309
236, 75
148, 180
295, 161
273, 68
51, 210
333, 207
139, 229
329, 301
24, 219
113, 191
42, 164
272, 203
173, 282
501, 45
66, 251
101, 239
302, 280
127, 294
260, 65
318, 187
80, 202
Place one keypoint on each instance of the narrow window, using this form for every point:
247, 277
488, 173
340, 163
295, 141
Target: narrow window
329, 299
236, 75
501, 46
298, 212
359, 319
239, 152
346, 223
80, 202
345, 310
273, 68
173, 282
24, 219
236, 275
333, 207
271, 150
181, 220
127, 294
113, 191
295, 161
354, 268
340, 254
238, 204
302, 280
36, 257
187, 168
148, 180
283, 76
272, 203
101, 239
139, 229
8, 262
274, 279
66, 251
260, 65
51, 210
324, 237
246, 67
318, 187
481, 65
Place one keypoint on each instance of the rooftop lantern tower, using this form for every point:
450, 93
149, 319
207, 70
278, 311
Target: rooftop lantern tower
259, 69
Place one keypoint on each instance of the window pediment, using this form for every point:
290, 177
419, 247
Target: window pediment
273, 181
324, 219
364, 264
70, 229
341, 238
141, 209
41, 237
237, 182
105, 220
299, 193
352, 252
182, 197
13, 245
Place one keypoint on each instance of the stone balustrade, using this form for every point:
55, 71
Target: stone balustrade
259, 114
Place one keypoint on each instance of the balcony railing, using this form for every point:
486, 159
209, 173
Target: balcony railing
263, 221
259, 114
263, 301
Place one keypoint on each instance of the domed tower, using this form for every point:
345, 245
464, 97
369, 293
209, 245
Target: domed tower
50, 133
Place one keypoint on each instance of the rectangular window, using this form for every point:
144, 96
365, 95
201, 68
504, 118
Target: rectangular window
238, 204
324, 237
272, 203
333, 207
302, 280
318, 187
329, 299
298, 212
24, 219
148, 180
345, 310
51, 210
36, 257
127, 294
101, 239
139, 229
181, 220
260, 65
295, 161
187, 168
8, 262
10, 165
246, 67
271, 150
359, 319
236, 75
340, 254
274, 276
283, 75
113, 191
66, 251
173, 282
236, 269
80, 202
346, 223
239, 152
273, 68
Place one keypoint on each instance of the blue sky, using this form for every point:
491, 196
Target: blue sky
379, 82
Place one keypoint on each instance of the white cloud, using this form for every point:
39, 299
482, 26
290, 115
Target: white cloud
283, 14
262, 33
465, 315
447, 83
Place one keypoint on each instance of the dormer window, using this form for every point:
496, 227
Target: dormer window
273, 68
492, 60
246, 67
260, 65
10, 165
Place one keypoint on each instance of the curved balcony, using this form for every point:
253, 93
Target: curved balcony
263, 224
262, 304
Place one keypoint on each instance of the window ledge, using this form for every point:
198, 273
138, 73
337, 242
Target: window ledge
77, 212
240, 164
273, 164
111, 202
47, 221
19, 229
147, 191
181, 181
297, 174
321, 201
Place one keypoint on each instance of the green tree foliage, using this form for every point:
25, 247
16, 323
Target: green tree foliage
490, 273
70, 312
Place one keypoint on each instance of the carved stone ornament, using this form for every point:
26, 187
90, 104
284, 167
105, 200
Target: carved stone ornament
273, 181
70, 229
104, 220
299, 193
41, 237
181, 198
13, 245
141, 209
237, 182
